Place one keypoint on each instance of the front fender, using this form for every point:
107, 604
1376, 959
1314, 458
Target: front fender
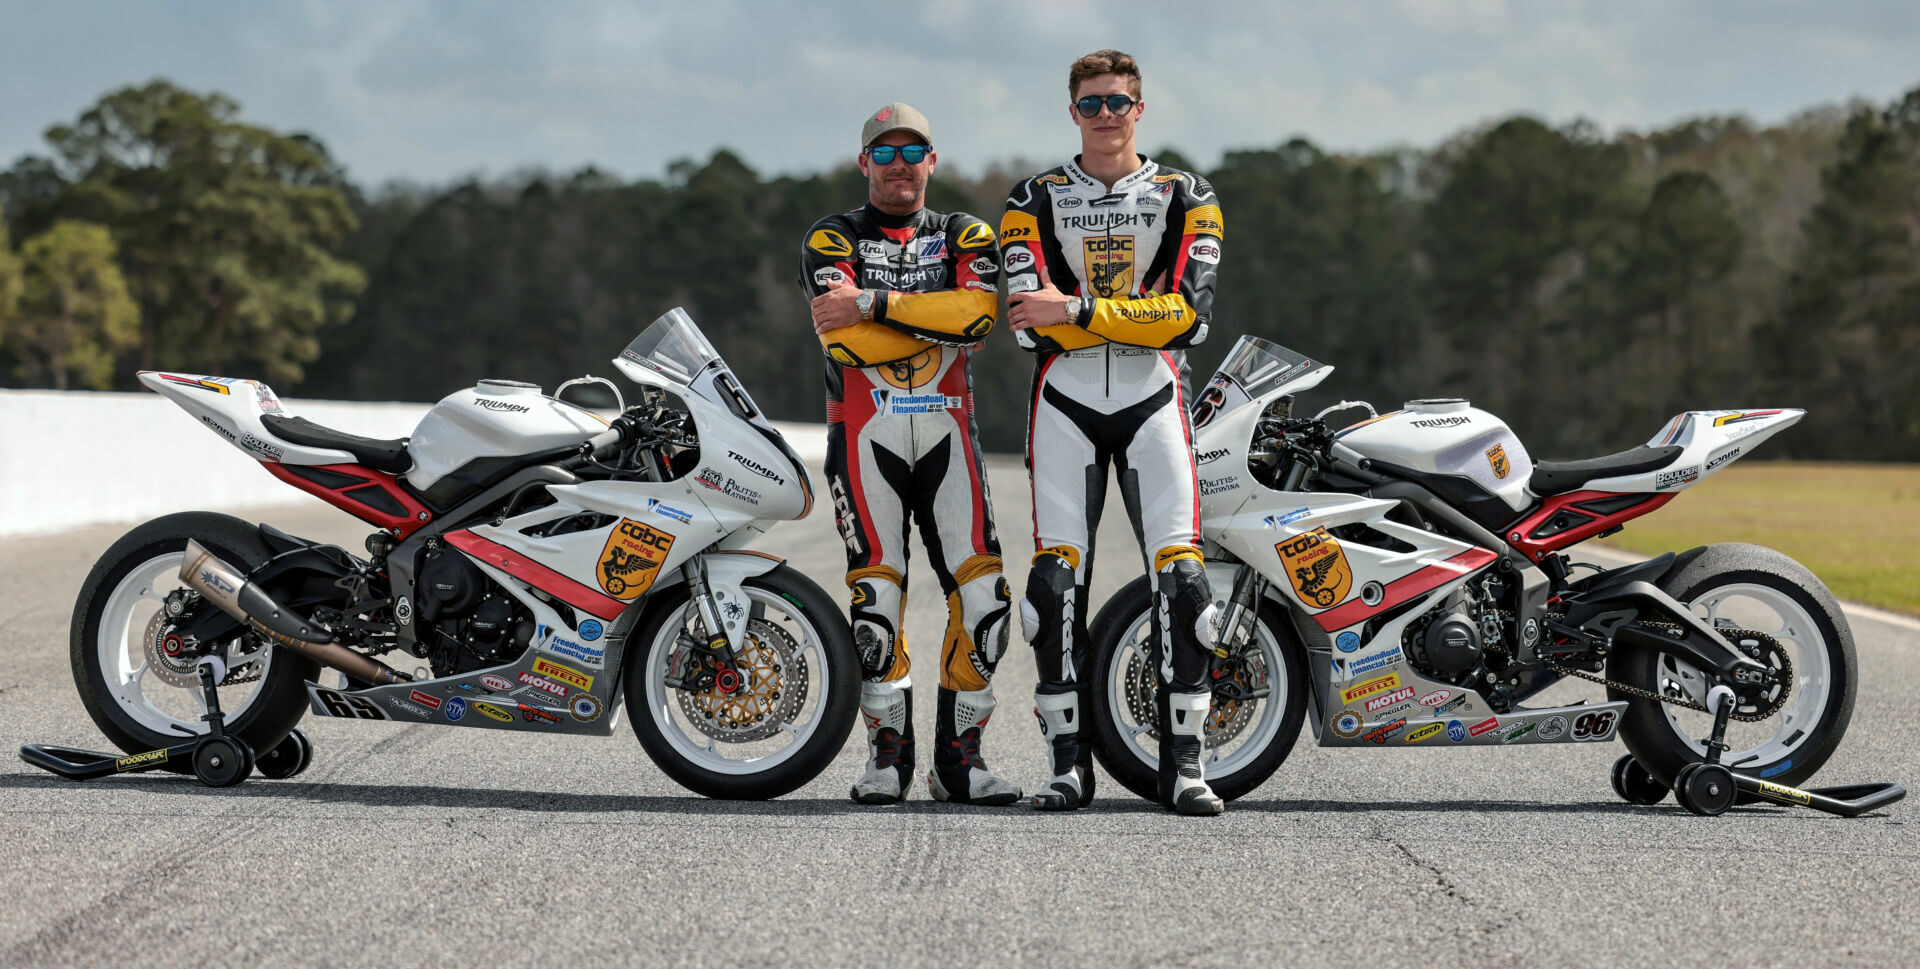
726, 569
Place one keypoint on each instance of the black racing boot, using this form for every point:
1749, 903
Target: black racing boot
959, 773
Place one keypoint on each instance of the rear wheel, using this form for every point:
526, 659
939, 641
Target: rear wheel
140, 686
1745, 587
788, 717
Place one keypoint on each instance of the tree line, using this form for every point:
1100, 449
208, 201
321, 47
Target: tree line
1583, 287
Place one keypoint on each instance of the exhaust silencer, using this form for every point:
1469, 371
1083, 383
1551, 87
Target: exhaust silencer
224, 586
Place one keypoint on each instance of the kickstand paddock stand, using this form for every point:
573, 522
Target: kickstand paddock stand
1709, 788
83, 765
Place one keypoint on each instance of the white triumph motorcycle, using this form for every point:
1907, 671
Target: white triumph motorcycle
1402, 581
534, 565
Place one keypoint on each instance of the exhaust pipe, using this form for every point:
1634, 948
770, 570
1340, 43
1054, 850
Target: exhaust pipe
224, 586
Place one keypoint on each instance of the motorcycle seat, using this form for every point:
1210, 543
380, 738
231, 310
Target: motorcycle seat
1559, 477
389, 456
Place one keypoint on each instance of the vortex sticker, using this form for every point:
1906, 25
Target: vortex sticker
585, 708
1345, 724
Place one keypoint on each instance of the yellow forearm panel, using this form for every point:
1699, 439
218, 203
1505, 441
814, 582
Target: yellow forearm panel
865, 344
1063, 336
1153, 322
966, 313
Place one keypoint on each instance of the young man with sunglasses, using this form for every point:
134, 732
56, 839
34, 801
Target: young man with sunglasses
1134, 245
900, 296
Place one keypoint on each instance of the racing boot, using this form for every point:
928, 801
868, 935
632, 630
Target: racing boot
959, 773
1183, 782
1069, 761
887, 709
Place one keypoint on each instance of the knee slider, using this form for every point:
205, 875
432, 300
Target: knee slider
876, 617
1049, 598
1184, 584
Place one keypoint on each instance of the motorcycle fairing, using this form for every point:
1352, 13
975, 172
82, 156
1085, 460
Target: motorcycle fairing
232, 408
1709, 440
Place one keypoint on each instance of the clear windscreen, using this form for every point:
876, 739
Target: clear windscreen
673, 351
1259, 366
672, 347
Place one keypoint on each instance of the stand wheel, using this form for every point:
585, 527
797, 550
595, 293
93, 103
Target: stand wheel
222, 761
287, 758
1705, 789
1635, 784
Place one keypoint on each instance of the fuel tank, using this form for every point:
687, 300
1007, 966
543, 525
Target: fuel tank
493, 419
1448, 436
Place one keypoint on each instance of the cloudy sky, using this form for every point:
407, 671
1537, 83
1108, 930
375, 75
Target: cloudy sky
429, 91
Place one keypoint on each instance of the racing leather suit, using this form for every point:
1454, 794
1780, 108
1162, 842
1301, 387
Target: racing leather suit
902, 446
1109, 390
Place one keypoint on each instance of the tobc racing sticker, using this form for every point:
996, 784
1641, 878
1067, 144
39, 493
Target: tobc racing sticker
1317, 567
630, 560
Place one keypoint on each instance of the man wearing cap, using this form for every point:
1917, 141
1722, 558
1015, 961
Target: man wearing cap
900, 296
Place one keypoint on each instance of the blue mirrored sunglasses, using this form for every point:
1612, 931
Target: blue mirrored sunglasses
1090, 105
883, 154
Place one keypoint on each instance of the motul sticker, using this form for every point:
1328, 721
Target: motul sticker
1317, 567
543, 684
1389, 699
1391, 681
630, 560
565, 674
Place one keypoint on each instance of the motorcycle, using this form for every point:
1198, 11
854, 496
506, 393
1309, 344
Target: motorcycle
541, 564
1403, 581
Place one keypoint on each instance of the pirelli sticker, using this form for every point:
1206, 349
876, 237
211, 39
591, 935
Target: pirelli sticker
562, 673
1206, 220
827, 242
630, 560
1380, 684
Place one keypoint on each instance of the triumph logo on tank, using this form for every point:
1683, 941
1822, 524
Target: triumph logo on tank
631, 559
1110, 264
1317, 568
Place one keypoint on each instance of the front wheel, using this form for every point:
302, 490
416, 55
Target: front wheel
790, 713
1735, 586
1246, 740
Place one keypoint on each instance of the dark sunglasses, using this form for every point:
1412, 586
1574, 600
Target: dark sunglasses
883, 154
1089, 106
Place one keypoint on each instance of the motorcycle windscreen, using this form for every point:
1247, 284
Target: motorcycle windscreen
1253, 369
672, 352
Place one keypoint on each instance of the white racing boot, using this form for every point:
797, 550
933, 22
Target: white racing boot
887, 710
959, 773
1181, 774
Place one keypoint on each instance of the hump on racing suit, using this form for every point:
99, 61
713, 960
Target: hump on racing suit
1143, 255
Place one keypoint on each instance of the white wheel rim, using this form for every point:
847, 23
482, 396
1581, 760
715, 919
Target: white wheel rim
1770, 611
1253, 740
709, 754
120, 648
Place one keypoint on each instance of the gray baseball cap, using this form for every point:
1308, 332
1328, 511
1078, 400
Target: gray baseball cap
895, 117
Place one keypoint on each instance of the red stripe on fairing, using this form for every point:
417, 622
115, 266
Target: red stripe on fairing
856, 412
582, 597
1186, 432
1033, 416
1406, 588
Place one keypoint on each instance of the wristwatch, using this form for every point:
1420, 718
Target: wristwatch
864, 302
1074, 305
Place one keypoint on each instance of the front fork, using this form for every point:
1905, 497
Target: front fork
1238, 672
696, 665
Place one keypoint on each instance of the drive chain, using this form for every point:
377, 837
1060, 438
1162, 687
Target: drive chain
1768, 643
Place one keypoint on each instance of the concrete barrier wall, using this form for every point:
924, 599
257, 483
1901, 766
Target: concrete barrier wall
78, 458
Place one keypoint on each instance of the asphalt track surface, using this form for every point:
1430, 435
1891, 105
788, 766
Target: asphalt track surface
409, 846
